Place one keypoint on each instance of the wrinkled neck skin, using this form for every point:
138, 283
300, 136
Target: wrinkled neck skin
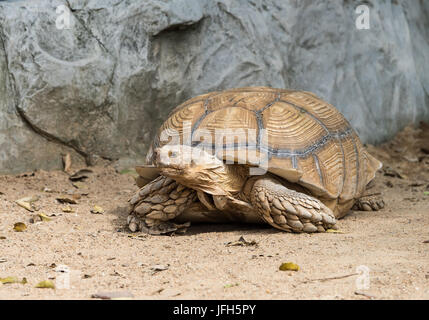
219, 179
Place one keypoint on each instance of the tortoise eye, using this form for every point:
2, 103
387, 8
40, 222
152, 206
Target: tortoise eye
172, 154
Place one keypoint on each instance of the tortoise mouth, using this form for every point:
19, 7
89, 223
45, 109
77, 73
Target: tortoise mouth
171, 171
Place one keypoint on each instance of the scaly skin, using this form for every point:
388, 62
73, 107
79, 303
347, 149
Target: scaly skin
369, 203
156, 203
289, 210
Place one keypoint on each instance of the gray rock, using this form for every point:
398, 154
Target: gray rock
103, 86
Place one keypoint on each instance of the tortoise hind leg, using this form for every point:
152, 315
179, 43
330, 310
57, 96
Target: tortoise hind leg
369, 203
288, 209
154, 206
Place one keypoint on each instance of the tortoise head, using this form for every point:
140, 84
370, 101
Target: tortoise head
197, 169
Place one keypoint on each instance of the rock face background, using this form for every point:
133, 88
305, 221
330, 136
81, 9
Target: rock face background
103, 86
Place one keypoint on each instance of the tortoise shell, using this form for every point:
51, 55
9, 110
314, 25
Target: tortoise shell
305, 139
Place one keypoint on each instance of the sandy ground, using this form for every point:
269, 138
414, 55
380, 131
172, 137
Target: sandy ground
390, 248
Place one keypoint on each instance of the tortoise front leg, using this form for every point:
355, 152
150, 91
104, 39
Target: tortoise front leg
156, 203
288, 209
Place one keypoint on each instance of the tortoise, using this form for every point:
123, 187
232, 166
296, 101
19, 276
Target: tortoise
256, 155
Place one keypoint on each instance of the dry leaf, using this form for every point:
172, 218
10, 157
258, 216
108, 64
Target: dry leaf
67, 209
288, 266
39, 217
2, 238
242, 242
159, 267
27, 202
81, 175
334, 231
44, 217
13, 280
66, 199
2, 260
390, 172
25, 205
48, 284
19, 227
97, 210
9, 280
26, 174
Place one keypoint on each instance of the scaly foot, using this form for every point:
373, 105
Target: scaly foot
369, 203
290, 210
156, 203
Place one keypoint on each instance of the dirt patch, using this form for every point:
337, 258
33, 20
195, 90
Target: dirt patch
98, 253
